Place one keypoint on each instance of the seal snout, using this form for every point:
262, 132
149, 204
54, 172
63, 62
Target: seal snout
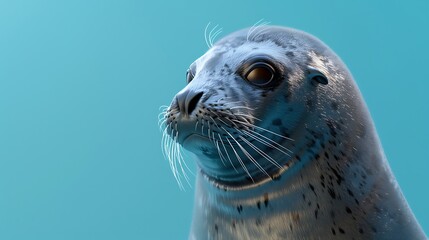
187, 100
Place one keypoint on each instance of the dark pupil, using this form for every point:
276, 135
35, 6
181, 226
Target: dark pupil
260, 75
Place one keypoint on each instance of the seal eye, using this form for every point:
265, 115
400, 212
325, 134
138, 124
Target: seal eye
260, 74
189, 76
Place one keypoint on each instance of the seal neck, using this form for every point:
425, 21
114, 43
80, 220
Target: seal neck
350, 187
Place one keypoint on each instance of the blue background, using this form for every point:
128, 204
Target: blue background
81, 83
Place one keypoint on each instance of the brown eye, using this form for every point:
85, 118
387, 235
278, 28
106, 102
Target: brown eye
260, 74
189, 76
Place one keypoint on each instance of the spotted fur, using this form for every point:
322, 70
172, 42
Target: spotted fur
310, 165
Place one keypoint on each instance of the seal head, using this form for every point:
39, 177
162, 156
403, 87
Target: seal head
247, 97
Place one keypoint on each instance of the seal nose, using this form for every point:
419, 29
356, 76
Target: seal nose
188, 100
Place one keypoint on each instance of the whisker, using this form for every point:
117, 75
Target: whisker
252, 109
253, 31
276, 145
253, 28
259, 32
184, 162
237, 156
208, 131
264, 129
196, 125
205, 35
246, 117
180, 160
163, 107
202, 127
211, 36
266, 156
230, 161
249, 156
212, 39
161, 124
220, 153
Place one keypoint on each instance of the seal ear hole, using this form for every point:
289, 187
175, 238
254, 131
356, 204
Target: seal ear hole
320, 79
317, 77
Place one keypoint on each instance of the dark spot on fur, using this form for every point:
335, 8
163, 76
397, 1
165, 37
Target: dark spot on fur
333, 231
337, 175
322, 180
216, 228
258, 204
295, 217
266, 199
309, 103
312, 188
378, 210
348, 210
239, 208
290, 54
326, 155
334, 105
277, 122
331, 193
287, 95
311, 143
341, 230
331, 126
361, 230
317, 156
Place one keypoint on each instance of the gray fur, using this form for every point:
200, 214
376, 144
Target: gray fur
334, 181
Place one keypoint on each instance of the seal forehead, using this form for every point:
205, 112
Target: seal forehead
234, 55
282, 36
277, 42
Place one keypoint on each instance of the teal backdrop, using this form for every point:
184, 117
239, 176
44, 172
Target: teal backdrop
81, 83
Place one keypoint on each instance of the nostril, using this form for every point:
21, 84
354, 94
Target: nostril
193, 102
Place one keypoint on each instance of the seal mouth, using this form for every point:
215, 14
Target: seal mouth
195, 141
188, 139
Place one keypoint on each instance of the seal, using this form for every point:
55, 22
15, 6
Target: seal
284, 144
